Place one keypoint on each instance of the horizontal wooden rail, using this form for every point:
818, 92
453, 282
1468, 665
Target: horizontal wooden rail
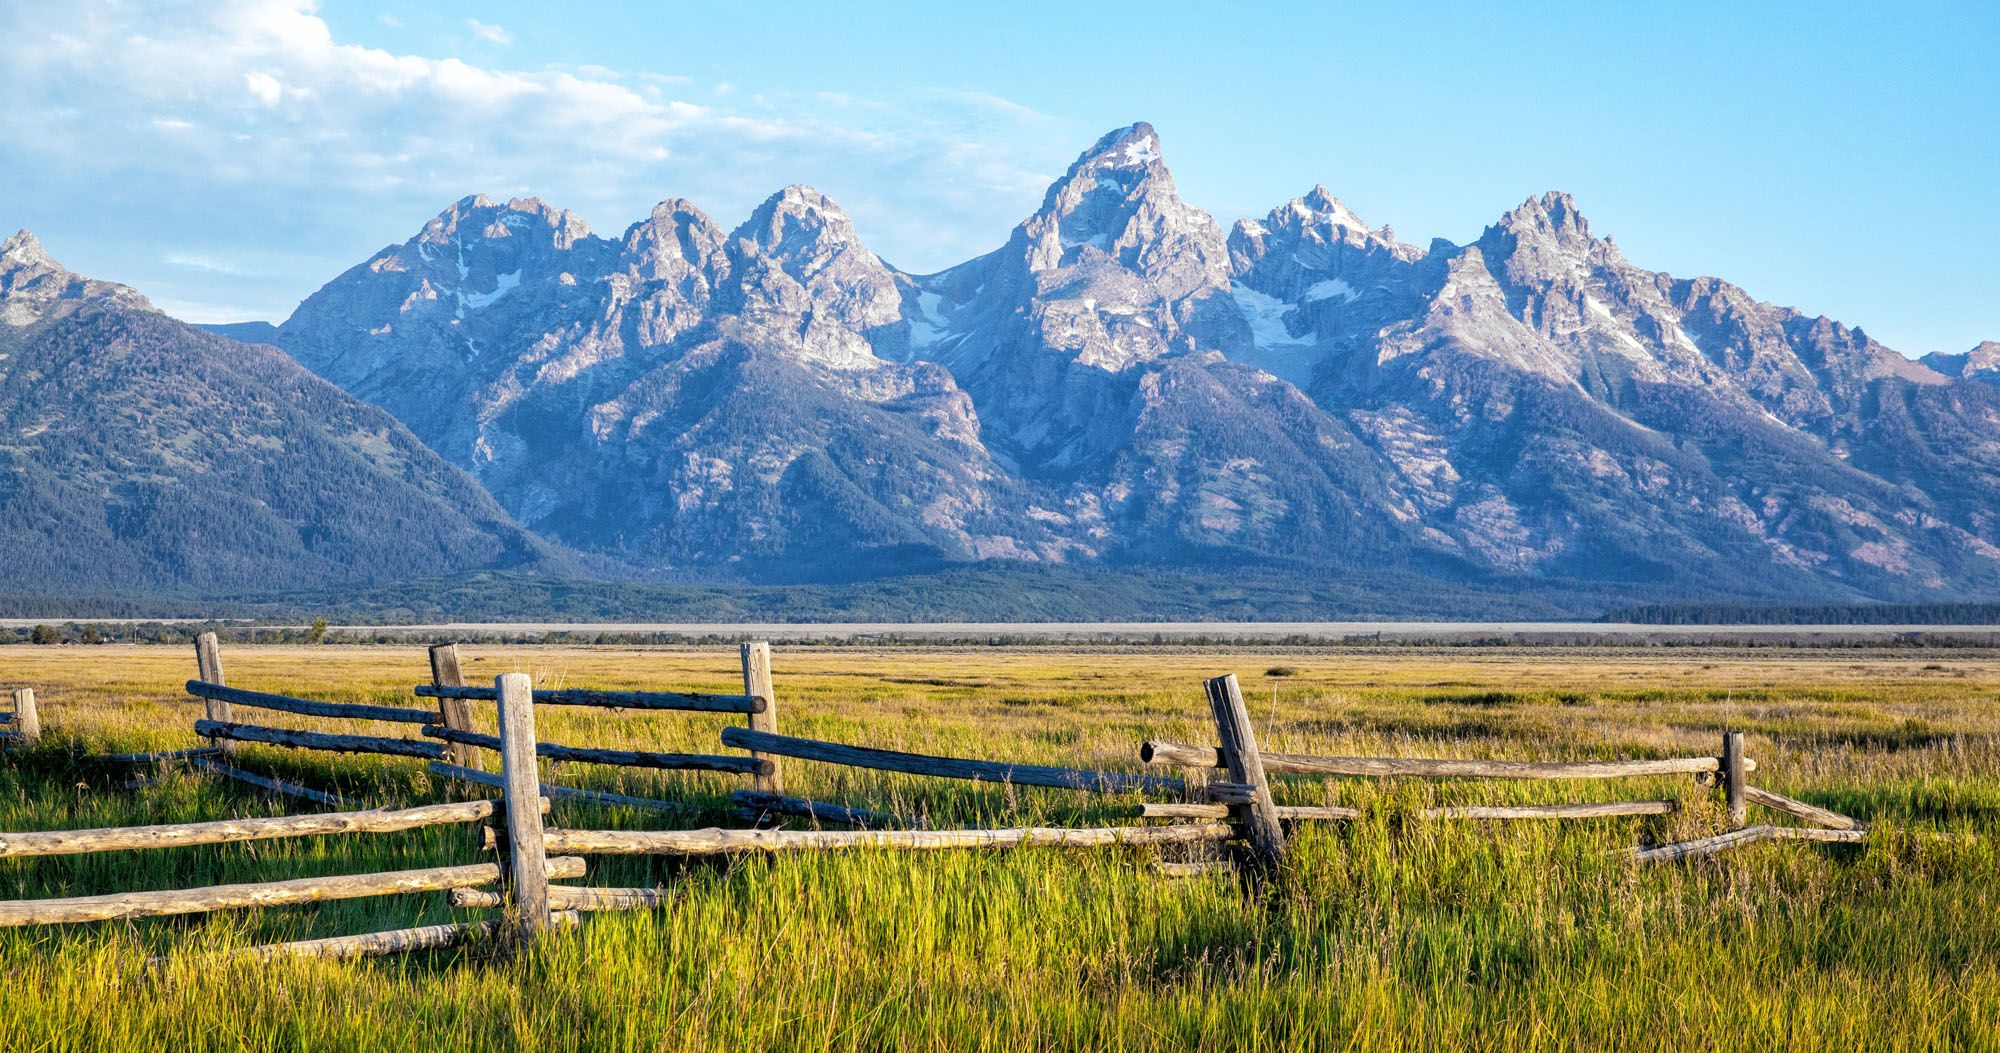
318, 740
945, 767
1706, 846
715, 841
689, 701
1807, 833
236, 696
560, 793
755, 804
120, 905
1552, 811
1810, 813
395, 941
1183, 755
572, 897
176, 835
213, 765
1290, 812
624, 758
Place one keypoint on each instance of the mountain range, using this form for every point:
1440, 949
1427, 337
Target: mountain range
1122, 383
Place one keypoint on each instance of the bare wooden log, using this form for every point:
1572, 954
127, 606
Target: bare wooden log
208, 667
689, 701
162, 756
395, 941
1706, 846
27, 720
268, 783
560, 793
572, 897
175, 835
1552, 811
1810, 813
1286, 812
319, 740
119, 905
1184, 755
237, 696
527, 859
1732, 778
756, 804
715, 841
1257, 814
757, 685
1803, 833
455, 713
622, 758
945, 767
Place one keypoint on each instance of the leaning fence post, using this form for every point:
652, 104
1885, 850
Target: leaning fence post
455, 712
757, 684
208, 665
1258, 818
27, 723
1733, 781
528, 874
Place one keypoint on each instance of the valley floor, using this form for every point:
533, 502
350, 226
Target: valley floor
1388, 933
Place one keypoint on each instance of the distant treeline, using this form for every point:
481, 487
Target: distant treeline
1810, 614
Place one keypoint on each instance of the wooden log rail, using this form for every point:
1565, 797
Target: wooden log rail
319, 740
714, 841
395, 941
176, 835
756, 805
212, 763
1810, 813
571, 897
1189, 756
622, 758
122, 905
946, 767
693, 702
560, 793
237, 696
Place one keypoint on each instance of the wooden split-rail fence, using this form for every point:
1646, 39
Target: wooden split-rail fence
530, 862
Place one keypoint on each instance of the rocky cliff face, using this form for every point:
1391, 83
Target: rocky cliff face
1121, 381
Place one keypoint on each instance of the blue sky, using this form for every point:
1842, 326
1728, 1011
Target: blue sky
230, 157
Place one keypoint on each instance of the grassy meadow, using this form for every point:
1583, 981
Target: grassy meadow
1388, 933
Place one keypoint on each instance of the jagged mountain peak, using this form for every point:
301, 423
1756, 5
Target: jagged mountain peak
1554, 213
675, 241
798, 222
477, 215
24, 250
1982, 363
32, 283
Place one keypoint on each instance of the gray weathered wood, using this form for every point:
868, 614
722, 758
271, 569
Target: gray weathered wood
571, 897
945, 767
292, 738
756, 804
120, 905
1733, 780
1802, 833
527, 859
1552, 811
1184, 755
693, 702
208, 668
764, 716
622, 758
27, 721
454, 713
560, 793
175, 835
395, 941
1258, 817
237, 696
1286, 812
715, 841
266, 782
1810, 813
1706, 846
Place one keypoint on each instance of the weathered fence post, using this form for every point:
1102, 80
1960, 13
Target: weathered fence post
1733, 778
527, 855
455, 712
1258, 818
27, 722
757, 684
208, 665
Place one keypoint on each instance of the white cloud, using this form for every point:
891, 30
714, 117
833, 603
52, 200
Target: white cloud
490, 33
389, 20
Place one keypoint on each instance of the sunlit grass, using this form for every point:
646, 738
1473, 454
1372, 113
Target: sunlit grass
1389, 933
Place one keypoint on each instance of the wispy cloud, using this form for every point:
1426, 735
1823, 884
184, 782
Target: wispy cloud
490, 33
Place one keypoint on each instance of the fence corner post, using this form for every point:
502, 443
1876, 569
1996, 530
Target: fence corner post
208, 666
27, 722
757, 685
1733, 780
456, 713
1258, 818
527, 854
